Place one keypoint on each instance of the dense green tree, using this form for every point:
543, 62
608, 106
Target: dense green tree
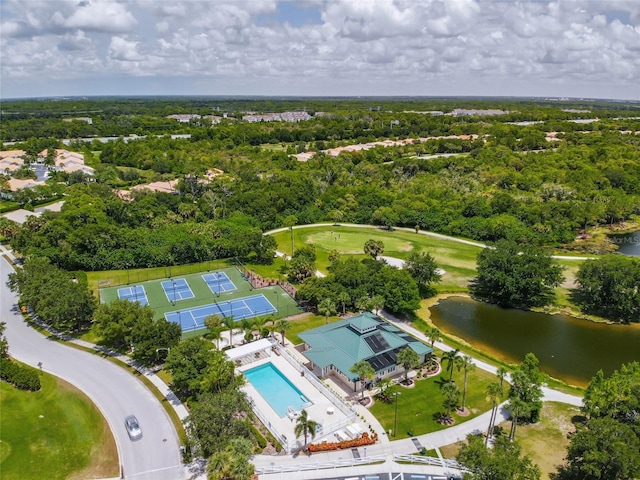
610, 287
216, 418
423, 268
188, 363
232, 463
526, 386
513, 275
397, 288
303, 264
604, 449
114, 322
502, 462
148, 336
616, 396
57, 298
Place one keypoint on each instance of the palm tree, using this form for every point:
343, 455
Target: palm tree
434, 334
282, 326
364, 303
247, 328
305, 426
326, 307
451, 393
501, 373
378, 303
409, 359
365, 371
494, 393
373, 248
214, 324
453, 361
467, 366
518, 408
229, 322
290, 221
258, 325
343, 299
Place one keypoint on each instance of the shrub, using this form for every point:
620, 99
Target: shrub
262, 442
20, 376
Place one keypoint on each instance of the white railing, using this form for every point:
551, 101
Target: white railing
267, 423
315, 381
349, 462
437, 462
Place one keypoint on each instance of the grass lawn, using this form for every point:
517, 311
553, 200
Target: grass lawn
56, 433
457, 259
545, 442
419, 407
303, 323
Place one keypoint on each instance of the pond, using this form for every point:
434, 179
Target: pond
628, 243
568, 348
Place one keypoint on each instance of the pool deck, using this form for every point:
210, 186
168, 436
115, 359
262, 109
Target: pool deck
323, 410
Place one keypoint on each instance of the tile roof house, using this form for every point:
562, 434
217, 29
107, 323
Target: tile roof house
336, 347
10, 161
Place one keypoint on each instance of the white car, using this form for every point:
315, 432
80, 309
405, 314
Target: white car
133, 427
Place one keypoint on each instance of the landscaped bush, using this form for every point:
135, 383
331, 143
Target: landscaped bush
361, 441
20, 376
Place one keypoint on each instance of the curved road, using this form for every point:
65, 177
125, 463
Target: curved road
114, 390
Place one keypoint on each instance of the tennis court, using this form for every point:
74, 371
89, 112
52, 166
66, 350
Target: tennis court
239, 308
218, 282
177, 289
134, 293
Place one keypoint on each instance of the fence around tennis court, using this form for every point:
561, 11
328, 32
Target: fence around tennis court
128, 276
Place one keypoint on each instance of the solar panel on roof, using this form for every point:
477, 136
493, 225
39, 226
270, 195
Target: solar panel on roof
377, 343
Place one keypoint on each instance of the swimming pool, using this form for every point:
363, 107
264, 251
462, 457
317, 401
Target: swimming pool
275, 388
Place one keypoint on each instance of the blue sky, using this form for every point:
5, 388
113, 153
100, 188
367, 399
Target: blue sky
572, 48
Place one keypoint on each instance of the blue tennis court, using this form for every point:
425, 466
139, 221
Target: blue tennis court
218, 282
134, 293
177, 289
247, 307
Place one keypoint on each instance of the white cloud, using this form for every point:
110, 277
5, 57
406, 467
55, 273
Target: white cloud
378, 46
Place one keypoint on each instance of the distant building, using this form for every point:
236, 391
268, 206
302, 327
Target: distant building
334, 348
88, 120
11, 160
462, 112
184, 117
277, 117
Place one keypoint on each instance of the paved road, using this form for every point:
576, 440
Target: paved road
115, 391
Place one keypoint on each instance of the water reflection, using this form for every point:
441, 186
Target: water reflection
569, 349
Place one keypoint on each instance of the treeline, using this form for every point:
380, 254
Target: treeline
97, 230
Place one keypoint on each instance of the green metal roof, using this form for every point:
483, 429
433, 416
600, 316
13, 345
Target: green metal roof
342, 343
